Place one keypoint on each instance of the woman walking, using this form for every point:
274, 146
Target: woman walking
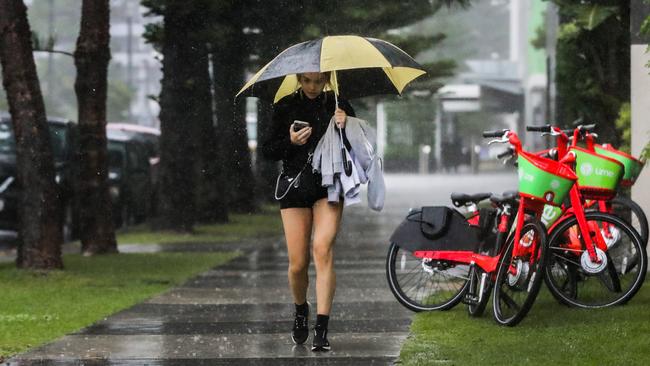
305, 208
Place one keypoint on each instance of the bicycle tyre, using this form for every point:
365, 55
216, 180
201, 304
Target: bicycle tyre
634, 207
529, 287
407, 297
558, 255
477, 309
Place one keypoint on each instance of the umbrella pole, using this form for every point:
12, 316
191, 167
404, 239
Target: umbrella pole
347, 164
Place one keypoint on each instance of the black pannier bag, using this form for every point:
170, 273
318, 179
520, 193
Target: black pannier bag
436, 228
487, 222
488, 229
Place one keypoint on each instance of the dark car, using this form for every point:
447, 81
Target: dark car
129, 176
150, 137
64, 139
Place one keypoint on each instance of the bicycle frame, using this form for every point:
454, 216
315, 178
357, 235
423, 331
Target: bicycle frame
577, 209
487, 262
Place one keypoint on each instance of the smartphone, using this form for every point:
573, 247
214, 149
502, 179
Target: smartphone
299, 125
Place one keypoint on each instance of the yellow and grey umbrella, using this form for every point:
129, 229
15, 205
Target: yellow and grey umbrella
360, 67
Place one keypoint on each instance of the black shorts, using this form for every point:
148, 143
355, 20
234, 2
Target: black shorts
309, 191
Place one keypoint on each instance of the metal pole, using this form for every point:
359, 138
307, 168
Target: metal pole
129, 58
437, 150
381, 129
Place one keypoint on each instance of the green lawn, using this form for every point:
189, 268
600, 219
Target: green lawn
551, 334
38, 307
241, 227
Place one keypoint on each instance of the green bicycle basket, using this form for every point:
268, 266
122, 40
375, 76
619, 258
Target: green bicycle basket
598, 175
543, 179
633, 166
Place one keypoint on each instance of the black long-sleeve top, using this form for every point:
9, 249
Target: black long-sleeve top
317, 112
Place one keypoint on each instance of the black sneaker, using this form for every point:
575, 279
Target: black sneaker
320, 342
300, 331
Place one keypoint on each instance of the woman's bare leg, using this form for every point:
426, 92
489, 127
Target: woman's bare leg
327, 217
297, 224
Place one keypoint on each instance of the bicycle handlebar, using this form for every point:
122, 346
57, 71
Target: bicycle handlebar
589, 127
581, 128
500, 133
568, 131
508, 152
545, 128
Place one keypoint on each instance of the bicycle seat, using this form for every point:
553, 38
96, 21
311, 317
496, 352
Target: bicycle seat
508, 197
460, 199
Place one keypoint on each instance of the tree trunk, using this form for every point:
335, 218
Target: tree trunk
91, 59
38, 206
229, 72
212, 204
177, 139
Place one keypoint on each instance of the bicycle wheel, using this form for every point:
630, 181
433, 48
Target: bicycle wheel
476, 299
615, 282
422, 284
519, 278
633, 214
567, 278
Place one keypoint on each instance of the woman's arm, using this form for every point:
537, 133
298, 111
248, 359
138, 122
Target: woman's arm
277, 144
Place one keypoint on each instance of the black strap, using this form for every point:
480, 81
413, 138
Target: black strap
293, 181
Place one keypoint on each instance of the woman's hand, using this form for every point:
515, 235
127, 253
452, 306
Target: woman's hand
339, 118
299, 138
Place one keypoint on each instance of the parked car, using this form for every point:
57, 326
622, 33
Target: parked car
150, 137
64, 139
129, 176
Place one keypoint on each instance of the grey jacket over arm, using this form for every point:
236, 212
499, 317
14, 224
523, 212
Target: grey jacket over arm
368, 167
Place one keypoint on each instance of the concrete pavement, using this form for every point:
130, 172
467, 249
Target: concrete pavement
241, 313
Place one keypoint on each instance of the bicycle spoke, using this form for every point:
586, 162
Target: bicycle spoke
565, 259
616, 283
512, 304
424, 285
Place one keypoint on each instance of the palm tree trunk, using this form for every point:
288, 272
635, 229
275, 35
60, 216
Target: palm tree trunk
212, 204
231, 119
91, 59
38, 206
177, 140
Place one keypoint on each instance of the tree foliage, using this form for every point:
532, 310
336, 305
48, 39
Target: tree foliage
623, 124
593, 62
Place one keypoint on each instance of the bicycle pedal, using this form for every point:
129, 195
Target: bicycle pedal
470, 300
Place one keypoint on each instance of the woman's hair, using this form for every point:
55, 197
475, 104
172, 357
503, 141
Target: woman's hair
328, 75
328, 79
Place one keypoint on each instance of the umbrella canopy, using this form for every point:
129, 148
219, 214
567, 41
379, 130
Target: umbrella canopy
360, 67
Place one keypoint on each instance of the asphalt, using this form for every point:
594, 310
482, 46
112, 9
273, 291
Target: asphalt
240, 313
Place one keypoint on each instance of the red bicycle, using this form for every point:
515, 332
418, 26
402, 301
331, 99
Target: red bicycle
596, 258
437, 256
619, 205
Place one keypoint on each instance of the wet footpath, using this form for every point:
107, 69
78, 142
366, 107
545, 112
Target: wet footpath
241, 313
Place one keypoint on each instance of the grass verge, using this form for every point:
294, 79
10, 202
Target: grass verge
37, 307
240, 227
551, 334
